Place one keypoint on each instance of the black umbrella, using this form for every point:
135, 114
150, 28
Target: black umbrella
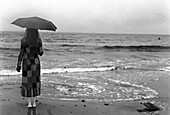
35, 23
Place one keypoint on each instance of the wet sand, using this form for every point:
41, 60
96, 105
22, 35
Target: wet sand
11, 103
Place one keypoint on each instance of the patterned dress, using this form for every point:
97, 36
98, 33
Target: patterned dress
31, 81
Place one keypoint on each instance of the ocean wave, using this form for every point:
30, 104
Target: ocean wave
58, 70
139, 48
65, 70
8, 49
16, 49
140, 90
72, 45
72, 70
122, 91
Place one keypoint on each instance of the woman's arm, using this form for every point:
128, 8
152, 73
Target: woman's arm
20, 56
40, 49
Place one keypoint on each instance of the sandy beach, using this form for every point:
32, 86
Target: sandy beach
85, 57
12, 103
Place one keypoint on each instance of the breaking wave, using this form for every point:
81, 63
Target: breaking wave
116, 91
97, 69
140, 48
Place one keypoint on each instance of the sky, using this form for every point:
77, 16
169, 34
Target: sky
89, 16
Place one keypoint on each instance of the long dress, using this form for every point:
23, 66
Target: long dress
31, 81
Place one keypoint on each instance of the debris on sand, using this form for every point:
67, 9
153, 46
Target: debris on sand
106, 104
150, 107
83, 100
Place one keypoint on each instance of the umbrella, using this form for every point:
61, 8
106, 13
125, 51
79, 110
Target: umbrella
35, 23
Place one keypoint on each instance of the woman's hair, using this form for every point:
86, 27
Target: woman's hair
32, 35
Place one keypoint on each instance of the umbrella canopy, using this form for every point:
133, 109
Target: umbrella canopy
35, 23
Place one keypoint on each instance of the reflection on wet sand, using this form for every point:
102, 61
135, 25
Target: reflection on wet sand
31, 111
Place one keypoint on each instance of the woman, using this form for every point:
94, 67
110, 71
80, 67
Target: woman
31, 47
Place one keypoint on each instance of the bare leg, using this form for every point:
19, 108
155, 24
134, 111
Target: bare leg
29, 102
34, 103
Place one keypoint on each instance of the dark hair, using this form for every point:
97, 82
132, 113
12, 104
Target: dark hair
32, 35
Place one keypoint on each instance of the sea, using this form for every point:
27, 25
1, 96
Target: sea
97, 67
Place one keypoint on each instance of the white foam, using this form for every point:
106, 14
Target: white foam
9, 72
165, 69
58, 70
136, 86
64, 70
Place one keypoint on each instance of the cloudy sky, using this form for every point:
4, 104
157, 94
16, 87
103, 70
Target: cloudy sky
106, 16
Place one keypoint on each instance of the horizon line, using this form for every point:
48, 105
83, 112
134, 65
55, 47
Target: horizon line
44, 31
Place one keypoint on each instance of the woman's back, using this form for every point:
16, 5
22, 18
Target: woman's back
31, 50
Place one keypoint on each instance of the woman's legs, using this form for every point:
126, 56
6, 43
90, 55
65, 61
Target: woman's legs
34, 103
29, 102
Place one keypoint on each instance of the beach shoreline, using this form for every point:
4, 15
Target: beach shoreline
12, 103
